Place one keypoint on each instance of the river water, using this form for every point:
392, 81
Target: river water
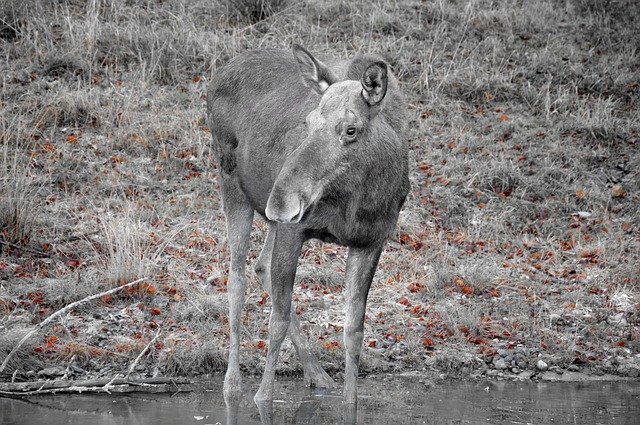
382, 400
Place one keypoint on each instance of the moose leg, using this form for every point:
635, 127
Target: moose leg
239, 215
361, 265
314, 374
284, 260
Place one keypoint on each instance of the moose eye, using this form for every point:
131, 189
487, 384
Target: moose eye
351, 131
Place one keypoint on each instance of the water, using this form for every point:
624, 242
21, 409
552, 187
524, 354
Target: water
381, 401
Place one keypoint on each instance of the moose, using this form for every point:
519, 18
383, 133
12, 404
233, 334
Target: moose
319, 151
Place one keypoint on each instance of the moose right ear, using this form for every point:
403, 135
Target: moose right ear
315, 74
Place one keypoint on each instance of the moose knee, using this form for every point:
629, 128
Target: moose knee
278, 328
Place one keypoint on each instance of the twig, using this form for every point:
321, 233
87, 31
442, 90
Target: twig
135, 362
121, 385
26, 248
60, 313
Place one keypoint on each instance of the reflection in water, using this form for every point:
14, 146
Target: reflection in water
381, 401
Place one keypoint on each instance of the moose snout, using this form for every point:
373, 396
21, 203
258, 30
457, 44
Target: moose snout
284, 208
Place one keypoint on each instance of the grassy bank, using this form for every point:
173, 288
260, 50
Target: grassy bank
519, 243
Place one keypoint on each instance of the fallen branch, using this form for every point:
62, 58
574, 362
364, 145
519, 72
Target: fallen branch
135, 362
119, 385
60, 313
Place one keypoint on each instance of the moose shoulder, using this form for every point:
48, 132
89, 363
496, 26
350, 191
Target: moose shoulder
318, 150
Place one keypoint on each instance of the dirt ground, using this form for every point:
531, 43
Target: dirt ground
516, 254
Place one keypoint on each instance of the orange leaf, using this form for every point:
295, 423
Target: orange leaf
427, 342
372, 343
51, 341
617, 191
156, 311
72, 138
331, 345
503, 117
261, 345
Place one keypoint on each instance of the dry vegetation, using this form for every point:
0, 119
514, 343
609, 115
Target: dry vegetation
519, 241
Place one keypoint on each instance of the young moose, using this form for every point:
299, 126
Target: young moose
319, 150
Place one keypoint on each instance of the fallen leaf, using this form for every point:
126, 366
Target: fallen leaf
503, 117
51, 341
617, 191
72, 139
156, 311
404, 301
415, 287
331, 345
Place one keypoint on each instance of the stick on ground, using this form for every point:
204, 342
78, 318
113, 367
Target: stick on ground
60, 313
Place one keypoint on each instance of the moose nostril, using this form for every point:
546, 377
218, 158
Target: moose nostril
284, 209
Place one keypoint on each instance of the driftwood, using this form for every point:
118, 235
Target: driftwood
60, 313
106, 385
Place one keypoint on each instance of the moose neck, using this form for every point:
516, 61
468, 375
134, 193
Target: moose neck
361, 209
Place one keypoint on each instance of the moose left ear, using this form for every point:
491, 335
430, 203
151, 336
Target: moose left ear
374, 83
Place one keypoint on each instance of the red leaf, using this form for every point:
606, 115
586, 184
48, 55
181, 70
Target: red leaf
415, 287
156, 311
404, 301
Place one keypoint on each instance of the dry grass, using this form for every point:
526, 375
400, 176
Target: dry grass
521, 226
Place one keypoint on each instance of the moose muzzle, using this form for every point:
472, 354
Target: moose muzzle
285, 207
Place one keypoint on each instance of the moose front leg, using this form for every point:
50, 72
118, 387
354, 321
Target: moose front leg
314, 375
284, 260
361, 266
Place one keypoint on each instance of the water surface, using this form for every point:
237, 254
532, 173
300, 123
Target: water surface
386, 400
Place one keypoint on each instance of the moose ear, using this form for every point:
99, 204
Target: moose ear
374, 83
315, 74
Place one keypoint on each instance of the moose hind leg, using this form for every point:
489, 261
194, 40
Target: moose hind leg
314, 374
239, 215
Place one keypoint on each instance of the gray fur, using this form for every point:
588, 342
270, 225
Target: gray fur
316, 162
